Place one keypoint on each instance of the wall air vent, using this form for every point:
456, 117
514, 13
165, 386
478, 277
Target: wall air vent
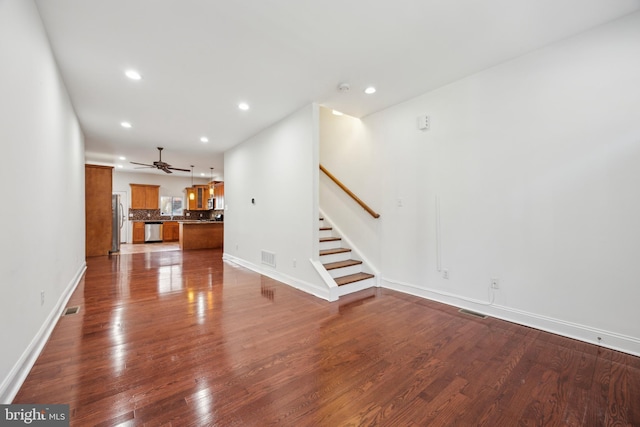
269, 258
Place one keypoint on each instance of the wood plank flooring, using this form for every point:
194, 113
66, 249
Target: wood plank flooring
184, 339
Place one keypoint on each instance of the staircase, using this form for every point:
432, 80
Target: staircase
341, 263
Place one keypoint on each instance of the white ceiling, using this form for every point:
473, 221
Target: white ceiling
200, 58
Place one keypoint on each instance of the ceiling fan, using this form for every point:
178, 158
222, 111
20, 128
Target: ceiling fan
163, 166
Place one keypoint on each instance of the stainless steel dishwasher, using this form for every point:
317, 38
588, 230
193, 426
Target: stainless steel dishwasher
152, 232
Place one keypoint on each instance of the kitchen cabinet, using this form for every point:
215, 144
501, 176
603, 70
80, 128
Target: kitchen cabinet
218, 193
201, 235
144, 196
98, 221
138, 232
170, 231
200, 196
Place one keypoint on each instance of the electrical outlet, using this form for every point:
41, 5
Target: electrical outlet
445, 274
495, 283
41, 297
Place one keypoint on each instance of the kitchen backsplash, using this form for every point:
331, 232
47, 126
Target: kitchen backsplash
154, 215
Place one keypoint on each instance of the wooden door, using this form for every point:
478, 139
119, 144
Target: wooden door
98, 221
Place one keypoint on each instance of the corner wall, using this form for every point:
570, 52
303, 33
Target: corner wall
529, 174
42, 179
278, 170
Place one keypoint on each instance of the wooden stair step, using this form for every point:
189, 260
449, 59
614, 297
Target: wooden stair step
334, 251
326, 228
330, 239
351, 278
341, 264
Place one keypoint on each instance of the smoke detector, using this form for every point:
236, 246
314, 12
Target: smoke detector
343, 87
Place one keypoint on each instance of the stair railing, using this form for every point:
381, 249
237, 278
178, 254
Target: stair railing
350, 193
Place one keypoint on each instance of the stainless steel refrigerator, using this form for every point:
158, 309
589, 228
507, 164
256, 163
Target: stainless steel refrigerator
117, 221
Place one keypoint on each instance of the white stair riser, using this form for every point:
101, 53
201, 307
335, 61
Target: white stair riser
332, 244
356, 286
325, 233
326, 259
345, 271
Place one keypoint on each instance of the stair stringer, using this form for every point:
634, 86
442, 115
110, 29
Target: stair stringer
367, 265
334, 292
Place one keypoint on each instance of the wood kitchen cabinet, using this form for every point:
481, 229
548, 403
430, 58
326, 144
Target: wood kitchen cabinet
144, 196
200, 197
138, 232
98, 222
170, 231
218, 193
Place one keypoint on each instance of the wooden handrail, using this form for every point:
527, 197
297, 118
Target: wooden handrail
350, 193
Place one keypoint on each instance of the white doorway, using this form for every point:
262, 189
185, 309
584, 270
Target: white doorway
124, 200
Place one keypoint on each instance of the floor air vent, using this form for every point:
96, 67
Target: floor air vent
71, 310
472, 313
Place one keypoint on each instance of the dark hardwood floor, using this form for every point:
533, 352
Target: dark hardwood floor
184, 339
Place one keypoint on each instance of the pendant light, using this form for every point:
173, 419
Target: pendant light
211, 183
192, 194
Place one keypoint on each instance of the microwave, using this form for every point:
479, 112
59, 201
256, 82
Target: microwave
211, 203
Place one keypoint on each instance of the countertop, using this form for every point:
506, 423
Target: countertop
184, 221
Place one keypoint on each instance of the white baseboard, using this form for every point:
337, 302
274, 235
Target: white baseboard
309, 288
12, 383
584, 333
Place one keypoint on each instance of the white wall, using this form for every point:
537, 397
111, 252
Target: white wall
279, 169
42, 178
535, 164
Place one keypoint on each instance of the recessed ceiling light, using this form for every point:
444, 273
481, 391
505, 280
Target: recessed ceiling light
370, 90
133, 74
337, 113
243, 106
122, 158
120, 166
125, 124
201, 173
204, 139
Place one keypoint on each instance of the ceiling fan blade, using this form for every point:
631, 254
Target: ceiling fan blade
166, 170
178, 169
142, 164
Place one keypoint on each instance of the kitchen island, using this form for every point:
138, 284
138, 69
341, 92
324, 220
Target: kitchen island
201, 234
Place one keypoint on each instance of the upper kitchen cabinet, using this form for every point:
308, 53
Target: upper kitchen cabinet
145, 196
218, 194
197, 197
97, 209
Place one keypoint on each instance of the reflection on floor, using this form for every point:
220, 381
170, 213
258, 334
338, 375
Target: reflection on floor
127, 248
